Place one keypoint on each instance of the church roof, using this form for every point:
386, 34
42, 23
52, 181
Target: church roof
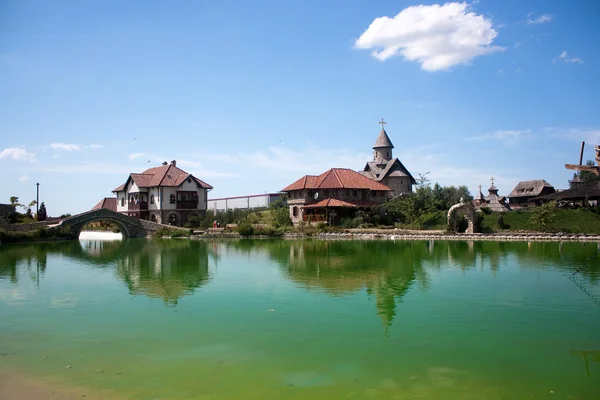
378, 171
383, 140
336, 178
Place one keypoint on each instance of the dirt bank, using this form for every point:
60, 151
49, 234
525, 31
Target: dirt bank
14, 386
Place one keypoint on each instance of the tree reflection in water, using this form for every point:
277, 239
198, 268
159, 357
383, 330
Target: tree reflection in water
386, 270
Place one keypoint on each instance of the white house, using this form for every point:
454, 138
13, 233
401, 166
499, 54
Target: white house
164, 194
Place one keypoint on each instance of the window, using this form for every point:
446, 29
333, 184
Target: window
348, 193
189, 180
122, 201
173, 219
355, 193
295, 211
335, 192
151, 199
311, 193
325, 193
172, 201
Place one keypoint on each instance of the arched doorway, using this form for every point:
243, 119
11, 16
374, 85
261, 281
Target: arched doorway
173, 219
153, 218
461, 209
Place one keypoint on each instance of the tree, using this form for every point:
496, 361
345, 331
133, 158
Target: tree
543, 217
586, 176
42, 215
14, 201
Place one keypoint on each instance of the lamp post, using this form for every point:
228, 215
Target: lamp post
37, 199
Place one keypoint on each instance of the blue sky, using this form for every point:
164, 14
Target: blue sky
249, 96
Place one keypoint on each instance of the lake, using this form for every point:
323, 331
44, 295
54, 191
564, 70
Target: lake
308, 319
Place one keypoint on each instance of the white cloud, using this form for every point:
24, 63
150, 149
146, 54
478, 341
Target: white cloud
66, 146
542, 19
23, 178
589, 135
17, 153
74, 147
438, 37
564, 57
508, 137
134, 156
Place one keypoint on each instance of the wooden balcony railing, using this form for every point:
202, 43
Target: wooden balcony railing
142, 205
187, 205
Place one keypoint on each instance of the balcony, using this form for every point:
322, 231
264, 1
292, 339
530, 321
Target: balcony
140, 206
187, 205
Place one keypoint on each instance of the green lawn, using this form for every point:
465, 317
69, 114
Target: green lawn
567, 220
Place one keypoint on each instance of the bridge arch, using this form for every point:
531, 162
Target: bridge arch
463, 208
77, 228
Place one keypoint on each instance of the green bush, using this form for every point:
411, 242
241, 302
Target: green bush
543, 217
486, 210
169, 232
193, 222
500, 221
252, 218
245, 229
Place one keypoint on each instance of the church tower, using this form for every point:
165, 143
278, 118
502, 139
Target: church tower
383, 146
385, 168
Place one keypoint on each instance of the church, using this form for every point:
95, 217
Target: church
387, 169
339, 192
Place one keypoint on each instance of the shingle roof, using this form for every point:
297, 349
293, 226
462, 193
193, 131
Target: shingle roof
529, 188
119, 188
110, 203
373, 171
164, 175
341, 203
383, 140
336, 178
587, 191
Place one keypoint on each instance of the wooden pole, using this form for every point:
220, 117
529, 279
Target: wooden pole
581, 154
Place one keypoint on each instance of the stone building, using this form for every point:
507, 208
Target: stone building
165, 194
333, 195
386, 169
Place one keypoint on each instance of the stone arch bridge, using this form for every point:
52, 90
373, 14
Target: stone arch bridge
130, 227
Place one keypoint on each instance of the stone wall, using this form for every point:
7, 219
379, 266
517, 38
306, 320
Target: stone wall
32, 226
6, 209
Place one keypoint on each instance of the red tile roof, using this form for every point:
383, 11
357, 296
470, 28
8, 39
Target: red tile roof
164, 175
119, 188
336, 178
341, 203
109, 203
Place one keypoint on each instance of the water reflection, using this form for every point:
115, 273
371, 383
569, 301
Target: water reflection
386, 270
166, 269
171, 270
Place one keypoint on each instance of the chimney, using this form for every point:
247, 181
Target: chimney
174, 163
164, 163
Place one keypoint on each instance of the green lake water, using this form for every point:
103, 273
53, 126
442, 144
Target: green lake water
185, 319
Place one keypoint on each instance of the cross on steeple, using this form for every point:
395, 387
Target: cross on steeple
492, 180
382, 124
480, 188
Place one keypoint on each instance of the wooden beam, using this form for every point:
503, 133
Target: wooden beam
581, 154
579, 167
